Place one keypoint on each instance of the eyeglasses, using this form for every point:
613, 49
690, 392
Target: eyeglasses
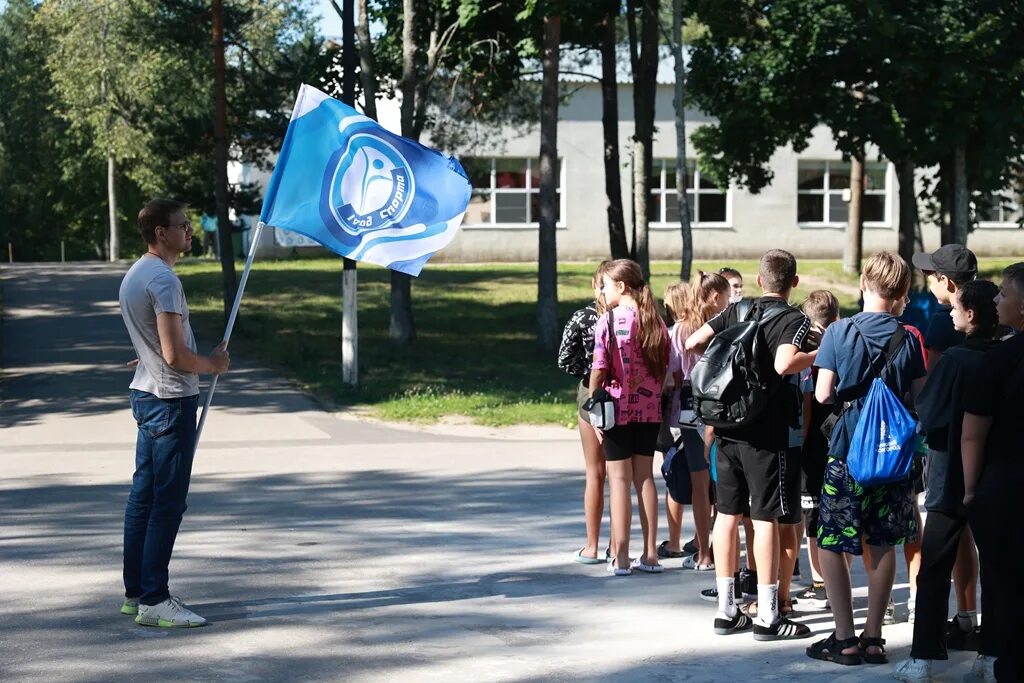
187, 225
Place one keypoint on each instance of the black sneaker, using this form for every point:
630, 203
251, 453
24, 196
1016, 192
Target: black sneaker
783, 629
958, 639
748, 583
740, 622
711, 594
814, 597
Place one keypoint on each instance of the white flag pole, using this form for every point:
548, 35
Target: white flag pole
231, 325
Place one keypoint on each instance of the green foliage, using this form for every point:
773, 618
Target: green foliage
136, 78
914, 77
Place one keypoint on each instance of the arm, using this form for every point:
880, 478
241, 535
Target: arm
972, 450
597, 376
790, 360
699, 340
932, 357
179, 356
709, 440
825, 388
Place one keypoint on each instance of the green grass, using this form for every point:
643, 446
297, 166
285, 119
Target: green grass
476, 353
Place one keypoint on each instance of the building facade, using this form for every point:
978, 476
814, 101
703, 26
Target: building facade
804, 209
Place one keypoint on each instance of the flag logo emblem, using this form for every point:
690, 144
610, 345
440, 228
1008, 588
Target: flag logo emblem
368, 185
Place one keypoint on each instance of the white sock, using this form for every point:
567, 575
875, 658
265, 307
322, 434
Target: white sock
767, 603
967, 621
726, 598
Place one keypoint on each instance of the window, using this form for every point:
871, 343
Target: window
709, 205
506, 192
998, 210
823, 193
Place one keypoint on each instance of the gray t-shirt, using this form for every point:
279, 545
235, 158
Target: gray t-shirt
149, 288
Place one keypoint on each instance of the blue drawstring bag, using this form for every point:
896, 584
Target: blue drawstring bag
883, 443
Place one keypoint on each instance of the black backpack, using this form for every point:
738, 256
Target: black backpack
730, 388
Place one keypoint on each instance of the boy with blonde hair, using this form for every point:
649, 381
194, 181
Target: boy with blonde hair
853, 352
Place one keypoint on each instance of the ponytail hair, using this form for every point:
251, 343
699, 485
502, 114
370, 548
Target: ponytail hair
653, 343
700, 301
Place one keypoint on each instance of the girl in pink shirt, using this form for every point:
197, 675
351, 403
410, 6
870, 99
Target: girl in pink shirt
630, 369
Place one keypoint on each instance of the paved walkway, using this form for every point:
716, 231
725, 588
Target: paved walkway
321, 548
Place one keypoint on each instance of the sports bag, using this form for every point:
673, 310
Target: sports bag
883, 442
729, 386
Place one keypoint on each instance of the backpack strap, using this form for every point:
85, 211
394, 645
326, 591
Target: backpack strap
612, 344
887, 354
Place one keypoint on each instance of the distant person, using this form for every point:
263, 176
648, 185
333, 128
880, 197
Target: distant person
208, 221
164, 395
993, 479
630, 359
690, 306
735, 281
822, 308
575, 356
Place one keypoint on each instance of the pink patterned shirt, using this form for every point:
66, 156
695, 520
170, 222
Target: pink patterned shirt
636, 390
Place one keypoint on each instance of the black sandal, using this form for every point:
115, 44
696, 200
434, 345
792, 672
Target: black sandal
831, 650
665, 553
866, 642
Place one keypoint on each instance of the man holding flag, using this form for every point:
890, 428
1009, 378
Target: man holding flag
164, 398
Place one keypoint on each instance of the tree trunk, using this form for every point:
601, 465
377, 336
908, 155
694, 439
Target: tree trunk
220, 172
610, 124
367, 65
679, 102
644, 93
908, 209
959, 218
403, 328
855, 225
547, 260
349, 276
115, 242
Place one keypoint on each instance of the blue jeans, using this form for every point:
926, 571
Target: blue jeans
163, 467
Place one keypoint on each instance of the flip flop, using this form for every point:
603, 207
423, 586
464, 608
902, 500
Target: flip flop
690, 562
583, 559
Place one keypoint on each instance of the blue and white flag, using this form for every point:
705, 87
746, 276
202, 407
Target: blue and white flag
362, 191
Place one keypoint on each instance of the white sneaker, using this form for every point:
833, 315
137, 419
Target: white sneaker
914, 671
982, 670
170, 613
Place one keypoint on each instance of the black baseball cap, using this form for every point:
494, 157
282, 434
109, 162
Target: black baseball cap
955, 261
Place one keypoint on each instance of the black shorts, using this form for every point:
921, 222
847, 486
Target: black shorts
753, 481
791, 488
622, 442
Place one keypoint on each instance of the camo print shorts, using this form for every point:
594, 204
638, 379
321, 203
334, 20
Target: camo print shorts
881, 515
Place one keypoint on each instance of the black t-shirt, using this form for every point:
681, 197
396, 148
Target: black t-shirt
940, 409
996, 390
770, 431
941, 334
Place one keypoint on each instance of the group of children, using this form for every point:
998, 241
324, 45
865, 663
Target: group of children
785, 468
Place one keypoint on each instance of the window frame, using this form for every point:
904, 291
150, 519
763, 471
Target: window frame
664, 194
1002, 225
493, 191
825, 192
